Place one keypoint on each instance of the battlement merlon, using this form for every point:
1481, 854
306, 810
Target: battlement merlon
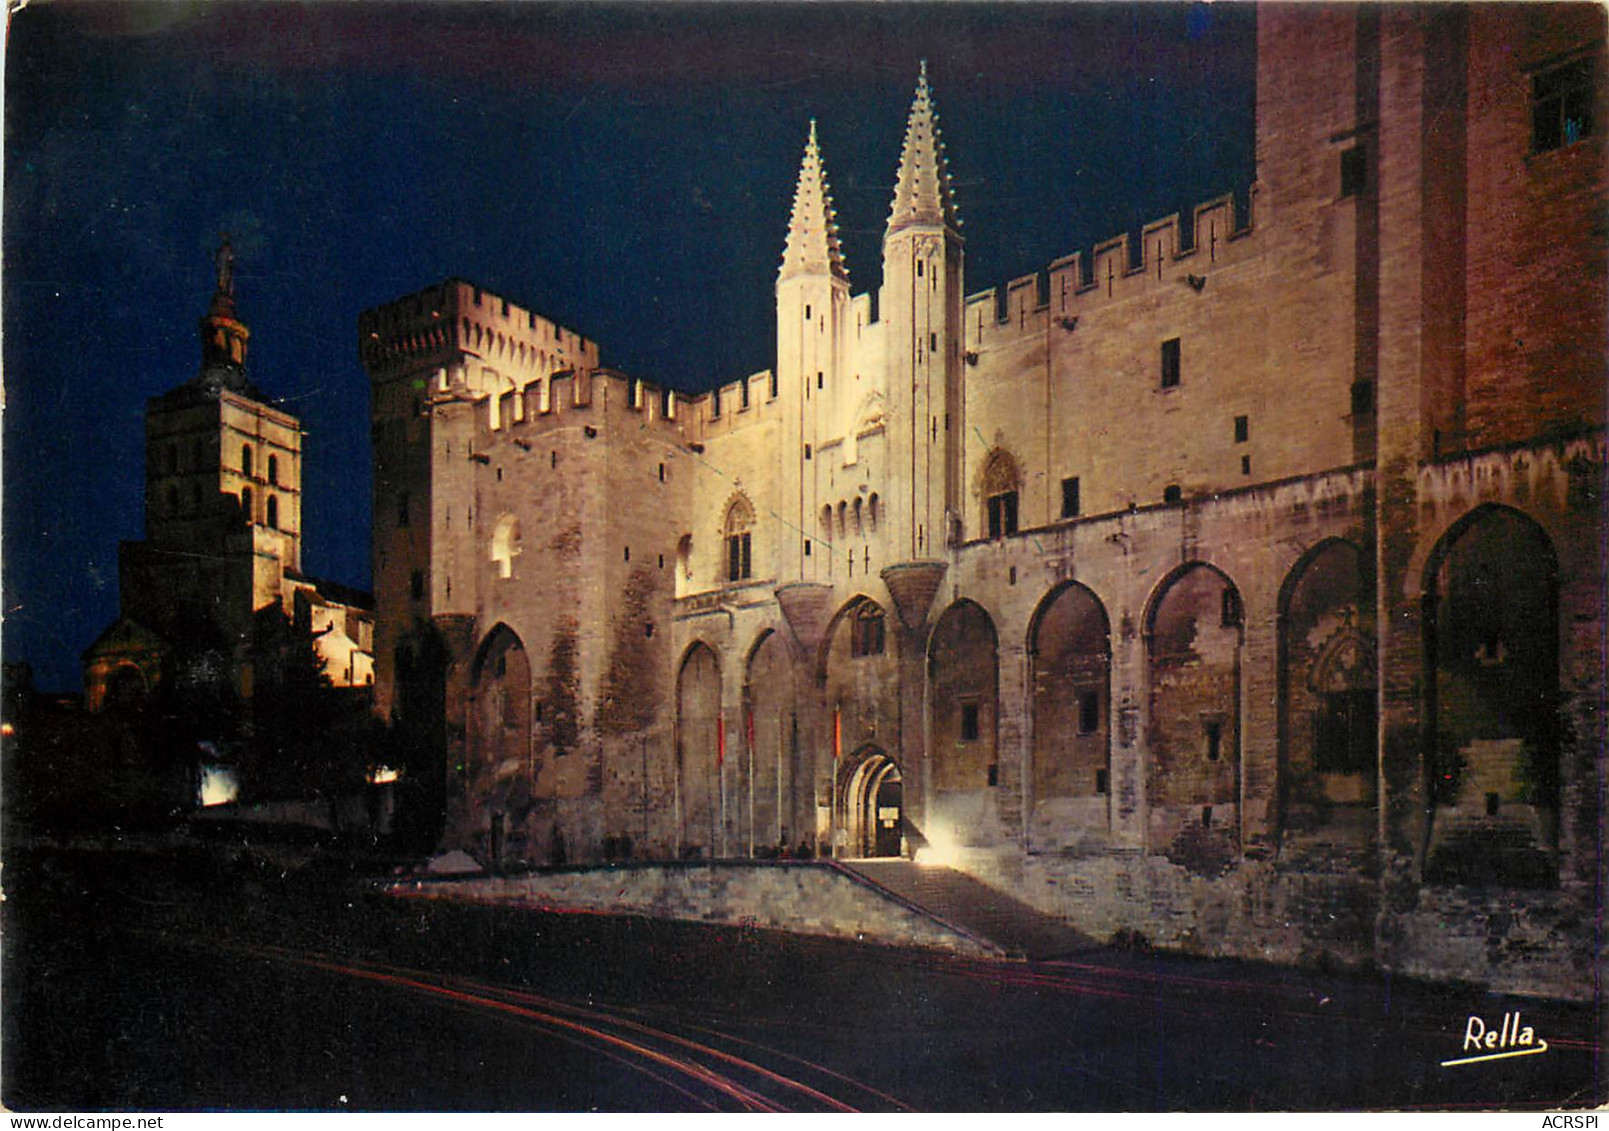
596, 399
861, 307
734, 405
457, 316
1117, 271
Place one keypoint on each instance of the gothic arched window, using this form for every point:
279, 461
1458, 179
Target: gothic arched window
1000, 485
867, 631
738, 529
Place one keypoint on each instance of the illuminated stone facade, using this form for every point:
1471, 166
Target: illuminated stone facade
1242, 587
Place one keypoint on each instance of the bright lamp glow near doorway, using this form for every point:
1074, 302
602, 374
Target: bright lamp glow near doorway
219, 786
940, 851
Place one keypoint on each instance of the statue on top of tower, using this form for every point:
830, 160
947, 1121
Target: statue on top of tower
225, 261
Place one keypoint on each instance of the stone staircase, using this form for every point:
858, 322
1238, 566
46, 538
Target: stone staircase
959, 901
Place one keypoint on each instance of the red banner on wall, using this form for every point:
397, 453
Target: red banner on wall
720, 740
837, 732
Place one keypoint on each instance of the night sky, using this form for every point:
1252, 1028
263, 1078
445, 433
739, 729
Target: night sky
626, 170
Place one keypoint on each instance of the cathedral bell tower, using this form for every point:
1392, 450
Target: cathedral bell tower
922, 310
812, 315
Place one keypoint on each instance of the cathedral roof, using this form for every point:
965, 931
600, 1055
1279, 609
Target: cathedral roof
923, 193
813, 247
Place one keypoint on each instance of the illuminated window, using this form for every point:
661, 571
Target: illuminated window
505, 545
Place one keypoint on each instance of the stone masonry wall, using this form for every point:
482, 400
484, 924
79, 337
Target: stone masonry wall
814, 899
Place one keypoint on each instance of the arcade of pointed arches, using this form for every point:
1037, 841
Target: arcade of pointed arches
1490, 586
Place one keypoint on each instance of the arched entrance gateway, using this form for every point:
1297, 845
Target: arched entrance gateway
873, 804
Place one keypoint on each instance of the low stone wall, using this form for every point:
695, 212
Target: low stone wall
810, 898
1540, 945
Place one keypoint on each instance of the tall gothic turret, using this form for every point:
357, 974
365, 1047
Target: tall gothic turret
812, 313
921, 308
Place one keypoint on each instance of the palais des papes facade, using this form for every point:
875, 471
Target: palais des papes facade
1240, 586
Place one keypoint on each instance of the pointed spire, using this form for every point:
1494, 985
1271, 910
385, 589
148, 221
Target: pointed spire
812, 246
922, 192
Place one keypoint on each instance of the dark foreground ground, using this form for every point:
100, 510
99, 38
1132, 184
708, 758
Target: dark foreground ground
205, 978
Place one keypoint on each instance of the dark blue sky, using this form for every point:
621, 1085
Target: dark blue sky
627, 170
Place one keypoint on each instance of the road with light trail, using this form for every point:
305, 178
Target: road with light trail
180, 984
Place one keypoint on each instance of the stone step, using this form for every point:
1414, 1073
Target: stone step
963, 901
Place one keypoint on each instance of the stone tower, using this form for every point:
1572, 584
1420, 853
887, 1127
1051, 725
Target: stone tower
921, 308
223, 518
812, 316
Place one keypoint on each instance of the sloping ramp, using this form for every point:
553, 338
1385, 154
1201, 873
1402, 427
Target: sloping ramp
957, 899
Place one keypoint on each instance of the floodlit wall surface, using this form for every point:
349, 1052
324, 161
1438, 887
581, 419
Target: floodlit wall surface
1162, 590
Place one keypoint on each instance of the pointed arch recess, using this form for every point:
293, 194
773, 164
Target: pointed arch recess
699, 754
1070, 659
963, 699
1193, 634
770, 745
1327, 699
1491, 655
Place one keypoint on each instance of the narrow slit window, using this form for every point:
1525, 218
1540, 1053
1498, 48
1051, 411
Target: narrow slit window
969, 722
1354, 171
1170, 363
1069, 497
1089, 712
